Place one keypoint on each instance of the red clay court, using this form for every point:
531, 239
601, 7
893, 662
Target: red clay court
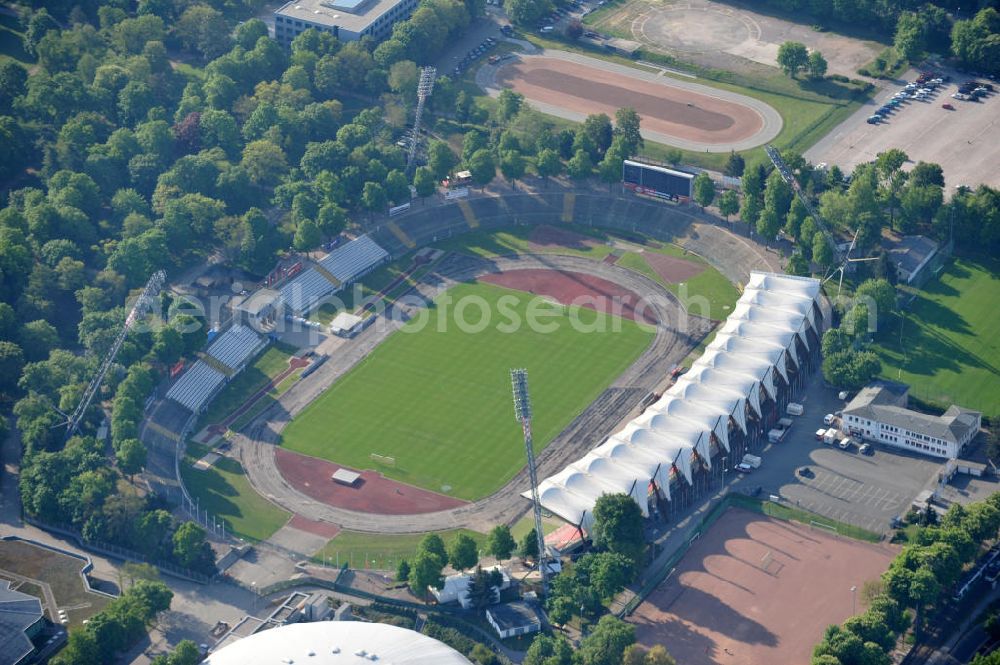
372, 493
546, 238
576, 288
663, 108
721, 606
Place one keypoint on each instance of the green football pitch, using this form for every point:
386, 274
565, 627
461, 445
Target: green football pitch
438, 398
947, 347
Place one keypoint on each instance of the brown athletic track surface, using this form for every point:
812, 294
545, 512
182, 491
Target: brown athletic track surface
324, 529
664, 109
575, 288
672, 269
372, 493
720, 606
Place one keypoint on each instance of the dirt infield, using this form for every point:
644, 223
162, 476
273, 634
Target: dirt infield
720, 606
664, 109
671, 269
575, 288
372, 493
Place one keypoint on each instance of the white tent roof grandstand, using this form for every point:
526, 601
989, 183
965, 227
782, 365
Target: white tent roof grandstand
726, 401
774, 314
196, 386
235, 346
345, 264
653, 430
716, 419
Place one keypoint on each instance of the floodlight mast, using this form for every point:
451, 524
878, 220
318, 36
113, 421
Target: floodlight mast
522, 411
424, 88
143, 304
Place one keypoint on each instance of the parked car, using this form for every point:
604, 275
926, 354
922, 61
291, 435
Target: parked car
866, 449
828, 419
806, 472
948, 107
873, 119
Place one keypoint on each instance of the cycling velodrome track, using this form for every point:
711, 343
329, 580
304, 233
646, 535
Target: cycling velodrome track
733, 255
674, 112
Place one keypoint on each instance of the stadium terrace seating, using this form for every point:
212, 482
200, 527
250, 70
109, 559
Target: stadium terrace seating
236, 346
774, 315
197, 386
346, 264
353, 260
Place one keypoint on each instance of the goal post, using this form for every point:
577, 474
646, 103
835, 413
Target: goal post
384, 460
830, 528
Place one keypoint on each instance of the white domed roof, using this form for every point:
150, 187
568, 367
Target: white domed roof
337, 643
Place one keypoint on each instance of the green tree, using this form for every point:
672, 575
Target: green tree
424, 182
131, 457
203, 30
37, 338
792, 56
432, 543
307, 236
880, 294
425, 572
704, 190
735, 165
512, 165
482, 167
821, 252
618, 526
729, 203
548, 163
403, 571
606, 644
264, 162
11, 363
768, 223
396, 187
463, 553
440, 159
190, 547
508, 105
500, 543
816, 65
909, 41
580, 166
627, 127
528, 547
373, 197
527, 12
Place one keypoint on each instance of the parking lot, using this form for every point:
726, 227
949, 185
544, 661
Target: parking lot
962, 140
844, 485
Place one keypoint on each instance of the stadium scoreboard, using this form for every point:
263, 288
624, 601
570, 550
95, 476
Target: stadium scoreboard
656, 181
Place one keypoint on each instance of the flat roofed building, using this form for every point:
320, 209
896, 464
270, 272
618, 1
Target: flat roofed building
347, 20
512, 619
879, 413
21, 620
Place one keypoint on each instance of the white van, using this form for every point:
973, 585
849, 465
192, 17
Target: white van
546, 29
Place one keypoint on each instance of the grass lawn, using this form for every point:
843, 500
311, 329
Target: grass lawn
266, 400
437, 398
949, 351
517, 240
368, 286
709, 284
358, 549
59, 571
267, 366
224, 490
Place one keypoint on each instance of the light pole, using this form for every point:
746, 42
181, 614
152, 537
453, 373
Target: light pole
854, 590
253, 588
724, 460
